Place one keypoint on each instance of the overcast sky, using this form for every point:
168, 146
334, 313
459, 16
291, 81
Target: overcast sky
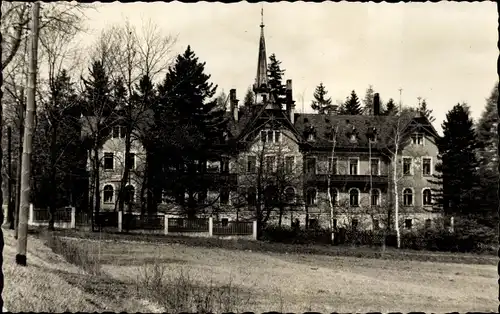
445, 52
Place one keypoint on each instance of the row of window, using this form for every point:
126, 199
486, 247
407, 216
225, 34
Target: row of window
109, 161
108, 194
408, 166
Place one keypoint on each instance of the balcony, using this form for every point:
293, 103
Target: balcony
343, 178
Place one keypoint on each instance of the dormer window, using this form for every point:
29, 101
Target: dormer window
270, 136
352, 138
417, 139
118, 132
310, 137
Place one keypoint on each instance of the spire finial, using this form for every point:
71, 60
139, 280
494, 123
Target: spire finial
262, 16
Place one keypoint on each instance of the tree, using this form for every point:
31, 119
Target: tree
222, 99
248, 101
457, 169
27, 142
98, 119
390, 108
352, 106
368, 101
194, 124
426, 112
275, 74
321, 104
488, 153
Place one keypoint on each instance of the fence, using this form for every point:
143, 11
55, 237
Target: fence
63, 217
233, 228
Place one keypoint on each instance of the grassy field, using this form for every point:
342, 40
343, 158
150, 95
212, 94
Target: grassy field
144, 276
298, 282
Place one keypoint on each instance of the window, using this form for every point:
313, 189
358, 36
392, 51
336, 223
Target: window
289, 164
251, 196
311, 165
109, 161
335, 195
310, 137
354, 198
332, 166
225, 222
311, 197
251, 164
353, 166
129, 194
131, 161
118, 132
270, 164
407, 197
375, 197
108, 194
355, 223
417, 139
426, 166
375, 166
213, 166
407, 165
428, 223
376, 224
408, 223
225, 165
290, 195
313, 223
270, 136
224, 196
270, 196
427, 197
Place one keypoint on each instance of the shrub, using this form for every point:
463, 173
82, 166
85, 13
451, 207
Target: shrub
78, 253
289, 235
179, 292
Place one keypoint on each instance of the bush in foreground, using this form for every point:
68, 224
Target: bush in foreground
176, 291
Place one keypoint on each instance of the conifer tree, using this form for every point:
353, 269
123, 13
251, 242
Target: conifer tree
368, 101
390, 108
425, 111
192, 124
352, 106
321, 103
275, 74
248, 101
457, 169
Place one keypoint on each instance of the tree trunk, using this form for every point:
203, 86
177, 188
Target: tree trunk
10, 204
97, 184
329, 183
126, 173
18, 169
52, 180
1, 195
27, 143
396, 200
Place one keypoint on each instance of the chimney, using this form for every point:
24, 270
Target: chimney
376, 104
290, 107
233, 103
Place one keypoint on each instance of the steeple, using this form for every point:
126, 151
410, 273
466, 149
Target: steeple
261, 81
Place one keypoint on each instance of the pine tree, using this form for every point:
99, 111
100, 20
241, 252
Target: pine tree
275, 74
191, 124
426, 112
352, 106
322, 104
390, 108
368, 101
457, 169
222, 100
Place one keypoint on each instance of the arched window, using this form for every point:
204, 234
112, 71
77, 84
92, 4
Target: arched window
311, 197
335, 196
129, 194
427, 197
354, 198
290, 195
407, 197
108, 193
375, 197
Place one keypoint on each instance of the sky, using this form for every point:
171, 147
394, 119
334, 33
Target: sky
445, 52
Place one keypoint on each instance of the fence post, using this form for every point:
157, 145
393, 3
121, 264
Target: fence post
165, 222
31, 215
120, 220
254, 230
210, 226
73, 218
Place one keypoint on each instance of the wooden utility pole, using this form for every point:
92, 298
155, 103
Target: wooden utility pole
22, 241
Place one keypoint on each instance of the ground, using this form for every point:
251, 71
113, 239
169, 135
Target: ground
274, 281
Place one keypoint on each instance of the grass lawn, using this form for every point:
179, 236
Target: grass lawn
309, 282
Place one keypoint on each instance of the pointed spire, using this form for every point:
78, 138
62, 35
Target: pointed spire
261, 79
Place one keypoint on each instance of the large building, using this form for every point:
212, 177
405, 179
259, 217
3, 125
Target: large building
308, 168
